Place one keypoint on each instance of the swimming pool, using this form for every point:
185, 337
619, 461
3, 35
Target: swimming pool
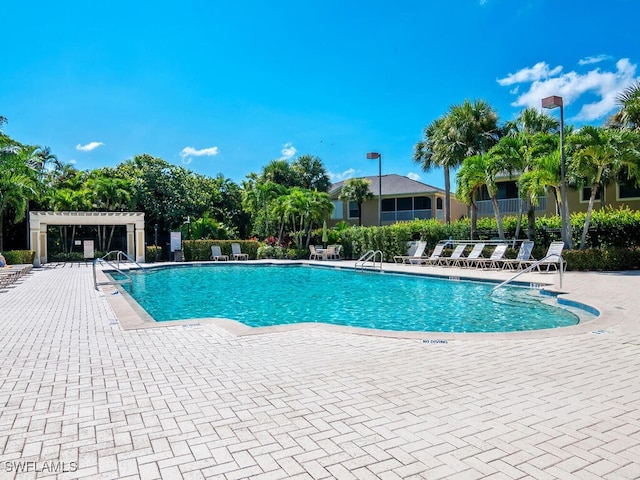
267, 295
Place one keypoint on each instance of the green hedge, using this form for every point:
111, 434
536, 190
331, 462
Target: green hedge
200, 250
600, 259
150, 253
19, 257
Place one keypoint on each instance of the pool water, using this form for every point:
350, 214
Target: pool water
266, 295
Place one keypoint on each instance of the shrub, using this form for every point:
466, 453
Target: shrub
200, 250
18, 257
151, 252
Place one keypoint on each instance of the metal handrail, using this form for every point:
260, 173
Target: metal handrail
369, 256
119, 255
531, 267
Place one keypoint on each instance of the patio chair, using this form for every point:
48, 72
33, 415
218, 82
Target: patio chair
474, 255
455, 257
315, 254
494, 260
216, 254
411, 250
236, 252
524, 255
417, 256
435, 257
336, 252
552, 258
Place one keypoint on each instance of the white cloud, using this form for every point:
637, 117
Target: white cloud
188, 152
572, 85
413, 176
89, 146
593, 59
337, 177
288, 151
539, 71
203, 152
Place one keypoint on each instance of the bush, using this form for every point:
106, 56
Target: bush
200, 250
19, 257
150, 253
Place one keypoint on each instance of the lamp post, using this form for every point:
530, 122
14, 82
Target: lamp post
551, 103
373, 156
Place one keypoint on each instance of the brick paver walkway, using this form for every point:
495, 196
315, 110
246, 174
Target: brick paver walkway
80, 393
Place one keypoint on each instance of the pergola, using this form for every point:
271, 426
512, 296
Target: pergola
38, 222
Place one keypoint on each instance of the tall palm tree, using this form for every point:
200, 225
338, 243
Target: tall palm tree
467, 129
469, 181
629, 113
431, 152
599, 155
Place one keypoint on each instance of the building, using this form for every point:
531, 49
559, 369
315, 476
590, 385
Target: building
403, 199
616, 195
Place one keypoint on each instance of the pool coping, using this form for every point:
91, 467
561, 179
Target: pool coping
131, 316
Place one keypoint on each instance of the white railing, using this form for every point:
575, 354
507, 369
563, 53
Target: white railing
508, 205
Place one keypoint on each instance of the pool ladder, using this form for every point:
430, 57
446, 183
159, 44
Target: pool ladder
120, 256
531, 267
368, 261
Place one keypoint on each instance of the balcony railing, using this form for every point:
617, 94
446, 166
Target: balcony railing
508, 205
406, 215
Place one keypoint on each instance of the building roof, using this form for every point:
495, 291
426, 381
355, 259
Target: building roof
392, 184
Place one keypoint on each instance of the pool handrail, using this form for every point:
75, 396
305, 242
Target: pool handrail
531, 267
119, 255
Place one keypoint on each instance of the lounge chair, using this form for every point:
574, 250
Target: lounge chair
435, 257
474, 255
236, 252
552, 258
455, 257
524, 255
494, 260
410, 253
417, 256
216, 254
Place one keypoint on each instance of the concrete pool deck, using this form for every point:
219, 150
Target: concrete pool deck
82, 395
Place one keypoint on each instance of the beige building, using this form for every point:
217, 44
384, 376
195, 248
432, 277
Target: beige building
616, 195
403, 199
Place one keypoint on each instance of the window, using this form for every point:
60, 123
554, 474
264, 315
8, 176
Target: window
439, 203
388, 204
422, 203
353, 210
405, 204
627, 189
337, 210
586, 194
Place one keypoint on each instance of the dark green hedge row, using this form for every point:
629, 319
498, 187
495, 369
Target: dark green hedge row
601, 259
19, 257
200, 250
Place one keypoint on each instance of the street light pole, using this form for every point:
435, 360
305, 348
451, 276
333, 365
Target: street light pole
565, 230
373, 156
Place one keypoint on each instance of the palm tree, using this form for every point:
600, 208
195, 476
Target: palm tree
468, 129
356, 190
629, 113
470, 180
598, 157
17, 185
311, 173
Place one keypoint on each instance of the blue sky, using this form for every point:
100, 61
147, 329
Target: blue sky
227, 86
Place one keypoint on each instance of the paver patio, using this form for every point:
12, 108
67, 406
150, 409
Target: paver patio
80, 393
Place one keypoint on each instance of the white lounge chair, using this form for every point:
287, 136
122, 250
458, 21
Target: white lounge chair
236, 252
455, 257
417, 256
474, 255
494, 260
410, 253
524, 255
435, 257
216, 254
553, 258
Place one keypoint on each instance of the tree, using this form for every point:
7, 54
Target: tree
467, 129
599, 154
311, 173
629, 114
356, 190
470, 179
